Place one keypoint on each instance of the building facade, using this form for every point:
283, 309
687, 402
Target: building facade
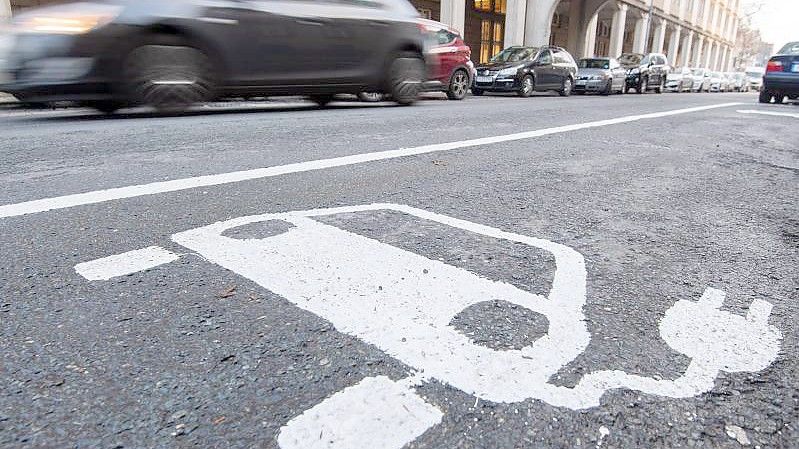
697, 33
691, 32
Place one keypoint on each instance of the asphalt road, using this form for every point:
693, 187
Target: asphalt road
537, 290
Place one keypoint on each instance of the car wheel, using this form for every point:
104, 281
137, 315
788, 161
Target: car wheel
528, 86
322, 100
608, 89
661, 87
406, 77
371, 97
642, 86
169, 75
566, 88
765, 96
458, 85
477, 92
106, 106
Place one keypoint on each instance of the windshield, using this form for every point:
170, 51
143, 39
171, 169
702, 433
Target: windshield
631, 59
677, 71
790, 49
698, 72
594, 64
514, 54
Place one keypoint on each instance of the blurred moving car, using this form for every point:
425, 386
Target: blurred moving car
701, 80
755, 76
451, 68
645, 71
525, 70
680, 79
601, 75
782, 75
170, 55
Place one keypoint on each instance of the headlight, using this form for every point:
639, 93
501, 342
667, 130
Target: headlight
510, 70
76, 18
597, 77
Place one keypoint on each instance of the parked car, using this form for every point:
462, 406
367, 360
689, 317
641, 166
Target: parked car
717, 82
601, 75
755, 75
525, 70
701, 80
451, 67
680, 79
739, 82
782, 75
169, 55
645, 71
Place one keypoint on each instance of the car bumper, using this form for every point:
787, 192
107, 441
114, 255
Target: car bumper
786, 83
499, 85
590, 85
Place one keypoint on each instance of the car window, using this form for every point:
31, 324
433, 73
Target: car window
545, 57
647, 59
790, 49
514, 54
594, 64
560, 58
444, 36
630, 59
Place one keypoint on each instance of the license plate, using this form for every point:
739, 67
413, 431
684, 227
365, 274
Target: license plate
581, 82
485, 79
795, 67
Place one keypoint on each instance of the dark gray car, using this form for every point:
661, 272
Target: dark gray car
170, 54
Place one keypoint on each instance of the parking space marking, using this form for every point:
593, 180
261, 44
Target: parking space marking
775, 114
101, 196
125, 263
389, 416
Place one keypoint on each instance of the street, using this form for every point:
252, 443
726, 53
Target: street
497, 272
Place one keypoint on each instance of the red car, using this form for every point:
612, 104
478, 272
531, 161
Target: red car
449, 64
449, 60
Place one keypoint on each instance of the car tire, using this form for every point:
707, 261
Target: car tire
765, 97
608, 89
371, 97
642, 86
322, 100
527, 86
406, 78
661, 87
168, 74
458, 85
107, 107
566, 88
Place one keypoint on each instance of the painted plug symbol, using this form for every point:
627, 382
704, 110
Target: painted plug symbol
719, 340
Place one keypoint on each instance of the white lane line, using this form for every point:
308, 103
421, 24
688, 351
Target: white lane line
776, 114
101, 196
125, 263
376, 413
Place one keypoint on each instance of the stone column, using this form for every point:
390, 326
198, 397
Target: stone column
716, 56
687, 43
725, 55
590, 37
538, 22
674, 44
641, 33
617, 30
700, 47
514, 22
660, 37
453, 13
709, 56
5, 9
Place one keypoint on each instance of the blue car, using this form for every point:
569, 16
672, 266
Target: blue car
782, 75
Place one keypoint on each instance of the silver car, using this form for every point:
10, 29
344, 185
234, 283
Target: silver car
601, 75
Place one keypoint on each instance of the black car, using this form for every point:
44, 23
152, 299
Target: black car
170, 54
782, 75
645, 71
525, 70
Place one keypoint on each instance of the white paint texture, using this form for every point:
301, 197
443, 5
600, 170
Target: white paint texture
125, 264
376, 413
771, 113
100, 196
403, 303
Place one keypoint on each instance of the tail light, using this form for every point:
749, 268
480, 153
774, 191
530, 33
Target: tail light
774, 66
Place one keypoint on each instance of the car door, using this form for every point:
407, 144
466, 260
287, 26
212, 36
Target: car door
257, 39
545, 73
660, 70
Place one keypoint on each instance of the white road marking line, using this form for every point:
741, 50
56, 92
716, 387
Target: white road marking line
101, 196
776, 114
376, 413
125, 263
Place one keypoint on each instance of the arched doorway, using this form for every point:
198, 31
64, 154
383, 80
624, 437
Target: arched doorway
559, 35
484, 30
